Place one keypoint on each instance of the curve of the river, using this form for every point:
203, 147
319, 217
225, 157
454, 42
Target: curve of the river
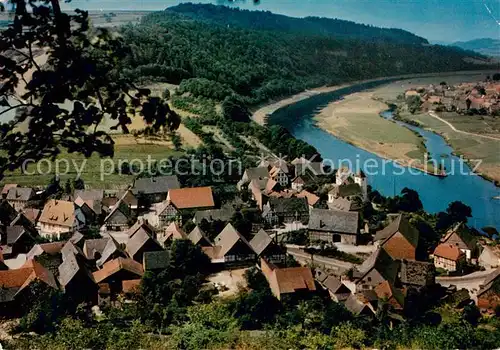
389, 178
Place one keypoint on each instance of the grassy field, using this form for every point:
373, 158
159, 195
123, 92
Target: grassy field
471, 147
356, 119
92, 175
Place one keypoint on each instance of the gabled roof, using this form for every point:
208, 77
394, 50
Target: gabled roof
224, 214
260, 241
386, 290
47, 248
31, 214
156, 185
93, 246
109, 250
312, 199
93, 195
342, 204
291, 279
489, 256
355, 306
93, 205
156, 260
76, 238
70, 249
13, 281
333, 221
57, 212
399, 224
175, 232
463, 234
117, 265
20, 194
288, 280
263, 185
70, 268
197, 236
448, 251
121, 207
335, 285
7, 187
257, 173
488, 282
228, 237
141, 224
139, 240
128, 197
14, 233
190, 198
381, 261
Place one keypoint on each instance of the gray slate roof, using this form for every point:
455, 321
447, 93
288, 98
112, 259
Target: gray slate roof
354, 305
224, 214
76, 238
399, 224
417, 273
156, 260
14, 233
228, 238
381, 261
154, 185
333, 221
197, 236
138, 240
20, 194
260, 241
70, 268
92, 246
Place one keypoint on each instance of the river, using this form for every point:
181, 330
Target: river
386, 176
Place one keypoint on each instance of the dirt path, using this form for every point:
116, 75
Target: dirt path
434, 115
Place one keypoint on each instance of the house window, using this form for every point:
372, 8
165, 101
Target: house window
369, 279
230, 258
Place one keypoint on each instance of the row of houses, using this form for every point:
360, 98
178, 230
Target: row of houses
481, 97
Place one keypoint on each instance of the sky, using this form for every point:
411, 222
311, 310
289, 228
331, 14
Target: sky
435, 20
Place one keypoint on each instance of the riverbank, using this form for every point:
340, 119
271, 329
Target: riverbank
356, 120
261, 112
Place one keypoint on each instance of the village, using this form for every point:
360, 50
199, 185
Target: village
96, 245
482, 98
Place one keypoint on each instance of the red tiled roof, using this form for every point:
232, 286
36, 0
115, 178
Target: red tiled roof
196, 197
116, 265
448, 251
14, 278
131, 286
292, 279
312, 199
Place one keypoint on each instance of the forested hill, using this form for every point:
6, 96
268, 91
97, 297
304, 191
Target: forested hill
265, 20
263, 64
